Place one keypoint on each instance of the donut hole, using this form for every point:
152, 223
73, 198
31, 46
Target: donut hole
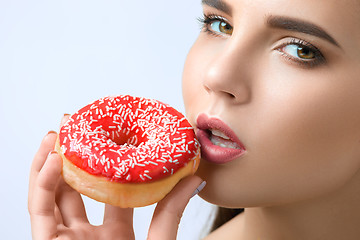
118, 141
130, 140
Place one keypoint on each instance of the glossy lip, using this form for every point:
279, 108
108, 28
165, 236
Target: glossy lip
211, 152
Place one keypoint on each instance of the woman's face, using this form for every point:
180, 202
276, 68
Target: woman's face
273, 89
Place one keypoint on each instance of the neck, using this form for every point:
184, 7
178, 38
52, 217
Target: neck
334, 216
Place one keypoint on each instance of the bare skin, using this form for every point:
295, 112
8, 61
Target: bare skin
284, 76
57, 211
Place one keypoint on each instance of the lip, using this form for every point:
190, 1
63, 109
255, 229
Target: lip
214, 153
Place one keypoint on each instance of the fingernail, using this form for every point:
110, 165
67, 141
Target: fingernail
65, 115
51, 132
52, 152
199, 188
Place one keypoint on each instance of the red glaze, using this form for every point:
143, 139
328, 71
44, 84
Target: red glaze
128, 139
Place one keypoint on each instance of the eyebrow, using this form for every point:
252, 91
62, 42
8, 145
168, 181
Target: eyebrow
297, 25
280, 22
218, 4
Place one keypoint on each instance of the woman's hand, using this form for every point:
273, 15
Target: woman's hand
57, 211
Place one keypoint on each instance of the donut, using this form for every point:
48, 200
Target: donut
127, 151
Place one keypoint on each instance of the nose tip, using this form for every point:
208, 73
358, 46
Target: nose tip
229, 71
226, 82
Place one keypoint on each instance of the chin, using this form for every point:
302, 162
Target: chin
236, 192
216, 192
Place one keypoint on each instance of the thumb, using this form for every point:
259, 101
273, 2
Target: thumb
168, 211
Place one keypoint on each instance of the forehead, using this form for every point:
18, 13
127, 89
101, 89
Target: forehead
344, 8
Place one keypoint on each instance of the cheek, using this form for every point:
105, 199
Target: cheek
307, 142
194, 94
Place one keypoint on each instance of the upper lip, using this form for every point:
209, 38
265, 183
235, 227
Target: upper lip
204, 122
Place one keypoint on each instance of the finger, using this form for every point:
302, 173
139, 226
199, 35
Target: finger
58, 216
42, 208
119, 215
46, 146
119, 221
68, 200
64, 119
168, 211
70, 205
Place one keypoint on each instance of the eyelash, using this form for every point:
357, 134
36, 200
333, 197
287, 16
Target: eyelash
318, 59
207, 19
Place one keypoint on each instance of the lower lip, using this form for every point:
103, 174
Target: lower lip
216, 154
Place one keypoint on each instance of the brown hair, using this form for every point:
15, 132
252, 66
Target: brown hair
224, 215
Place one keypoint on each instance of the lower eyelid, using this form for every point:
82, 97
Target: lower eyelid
209, 31
303, 63
307, 64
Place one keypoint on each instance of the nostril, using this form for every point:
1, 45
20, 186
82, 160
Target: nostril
207, 89
221, 92
231, 95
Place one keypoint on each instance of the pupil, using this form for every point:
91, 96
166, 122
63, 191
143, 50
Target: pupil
305, 53
225, 27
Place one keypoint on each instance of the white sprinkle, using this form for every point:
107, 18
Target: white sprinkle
147, 176
185, 128
161, 160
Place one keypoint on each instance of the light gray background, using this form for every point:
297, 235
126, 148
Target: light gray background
58, 55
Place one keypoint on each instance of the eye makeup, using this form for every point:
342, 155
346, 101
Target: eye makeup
215, 25
302, 53
295, 50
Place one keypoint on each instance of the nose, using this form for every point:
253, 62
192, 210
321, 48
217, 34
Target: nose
227, 76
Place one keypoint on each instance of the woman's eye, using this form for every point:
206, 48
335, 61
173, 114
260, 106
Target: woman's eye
221, 27
216, 25
301, 52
